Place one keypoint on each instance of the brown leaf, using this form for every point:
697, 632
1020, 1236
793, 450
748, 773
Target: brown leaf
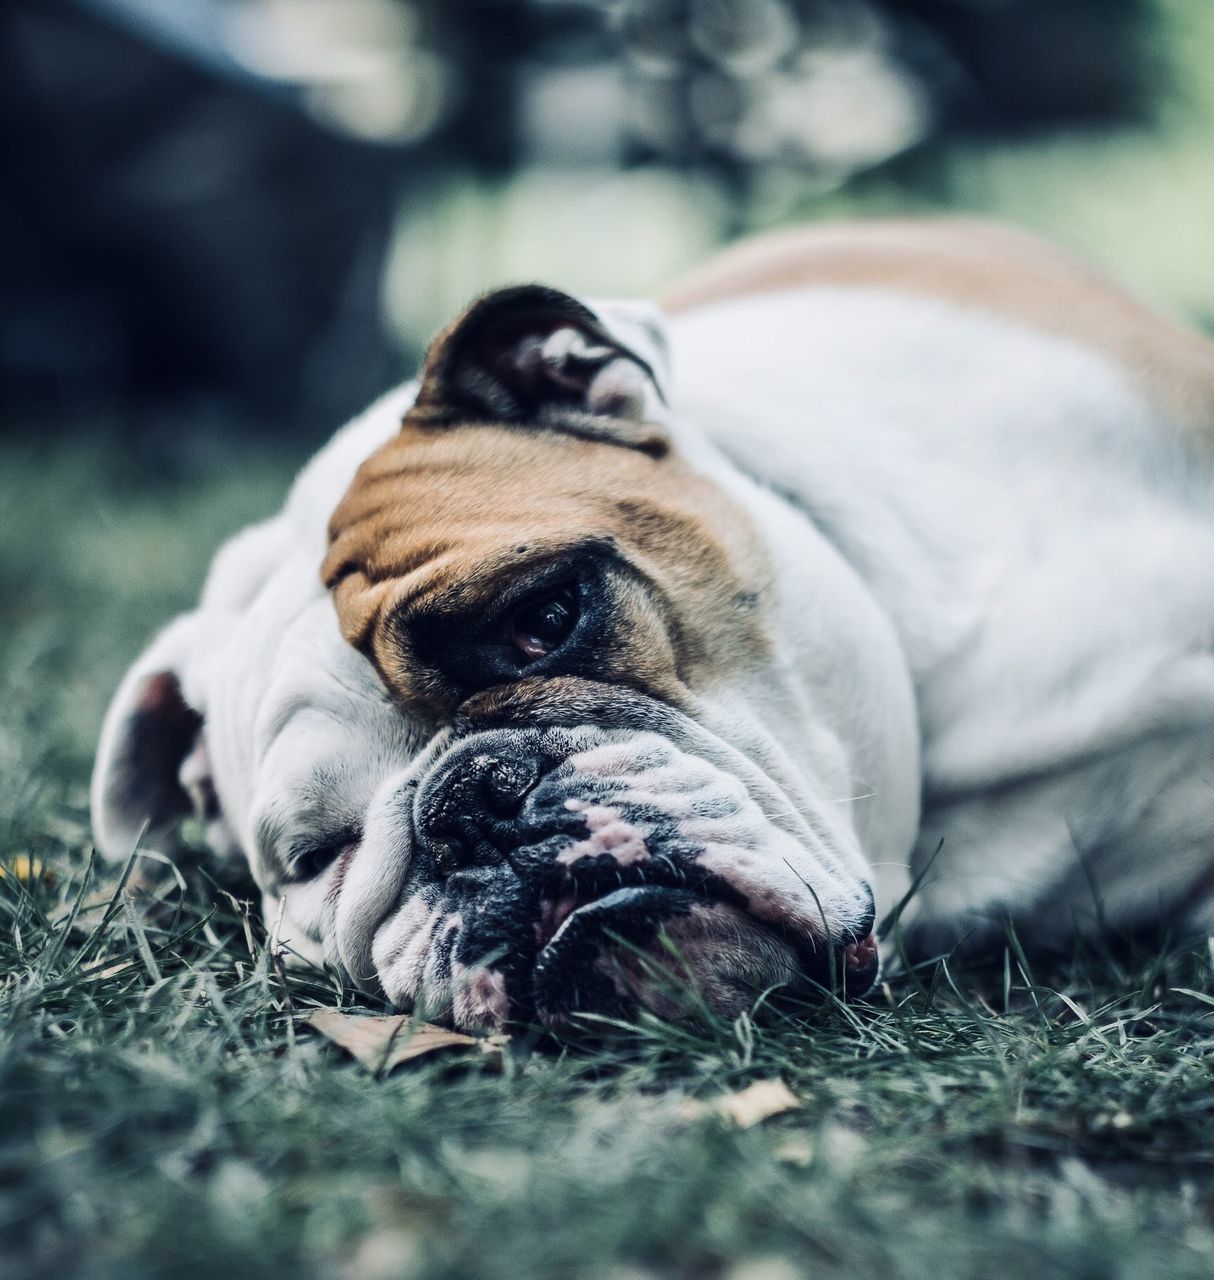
381, 1043
750, 1106
99, 969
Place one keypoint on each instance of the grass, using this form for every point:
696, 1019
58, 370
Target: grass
166, 1113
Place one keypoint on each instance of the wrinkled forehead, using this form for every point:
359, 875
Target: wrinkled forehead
436, 511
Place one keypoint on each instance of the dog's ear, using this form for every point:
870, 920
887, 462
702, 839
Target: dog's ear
534, 355
151, 769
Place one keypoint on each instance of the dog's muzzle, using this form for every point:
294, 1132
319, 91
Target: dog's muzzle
557, 872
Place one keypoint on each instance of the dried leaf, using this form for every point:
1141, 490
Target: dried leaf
100, 969
381, 1043
750, 1106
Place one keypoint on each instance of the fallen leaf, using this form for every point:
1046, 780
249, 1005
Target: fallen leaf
381, 1043
773, 1268
99, 969
386, 1254
750, 1106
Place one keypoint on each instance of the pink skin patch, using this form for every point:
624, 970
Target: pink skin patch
859, 955
609, 833
480, 998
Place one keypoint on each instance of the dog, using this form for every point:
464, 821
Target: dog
669, 649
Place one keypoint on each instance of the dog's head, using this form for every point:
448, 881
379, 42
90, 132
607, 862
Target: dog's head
645, 678
644, 726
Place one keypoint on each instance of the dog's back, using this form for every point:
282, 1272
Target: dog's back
981, 265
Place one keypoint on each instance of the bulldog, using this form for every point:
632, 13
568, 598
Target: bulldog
665, 652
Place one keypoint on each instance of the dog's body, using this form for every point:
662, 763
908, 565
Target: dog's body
1019, 462
928, 514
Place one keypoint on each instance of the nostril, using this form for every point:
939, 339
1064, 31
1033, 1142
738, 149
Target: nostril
448, 854
505, 784
468, 815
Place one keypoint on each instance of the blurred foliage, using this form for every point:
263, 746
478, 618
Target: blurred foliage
1115, 161
258, 210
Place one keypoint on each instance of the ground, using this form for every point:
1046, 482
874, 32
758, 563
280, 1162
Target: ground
167, 1113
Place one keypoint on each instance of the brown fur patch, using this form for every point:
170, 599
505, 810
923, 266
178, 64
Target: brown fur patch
441, 521
983, 265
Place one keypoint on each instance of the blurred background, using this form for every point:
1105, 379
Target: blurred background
245, 217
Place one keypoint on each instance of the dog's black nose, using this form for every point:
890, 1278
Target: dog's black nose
466, 814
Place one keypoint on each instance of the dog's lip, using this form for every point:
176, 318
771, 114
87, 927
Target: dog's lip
590, 886
556, 913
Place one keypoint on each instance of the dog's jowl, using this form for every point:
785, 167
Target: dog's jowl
631, 662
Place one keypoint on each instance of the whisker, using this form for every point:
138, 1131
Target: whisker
797, 812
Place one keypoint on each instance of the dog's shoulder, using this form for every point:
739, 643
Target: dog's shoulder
980, 265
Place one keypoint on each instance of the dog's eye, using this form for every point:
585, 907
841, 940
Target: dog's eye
314, 860
542, 626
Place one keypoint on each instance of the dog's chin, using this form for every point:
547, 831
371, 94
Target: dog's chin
669, 951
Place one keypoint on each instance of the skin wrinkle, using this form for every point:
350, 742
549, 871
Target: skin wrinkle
411, 917
568, 701
698, 742
768, 903
427, 969
369, 892
404, 975
562, 488
732, 859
